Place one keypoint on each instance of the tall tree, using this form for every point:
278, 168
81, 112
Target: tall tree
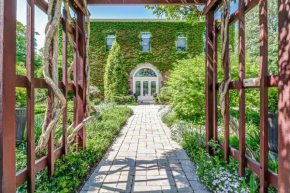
21, 46
253, 36
190, 13
115, 75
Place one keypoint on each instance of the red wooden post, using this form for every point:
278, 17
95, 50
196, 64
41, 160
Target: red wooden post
64, 80
263, 96
284, 96
242, 98
7, 95
214, 79
81, 78
227, 105
209, 76
30, 97
50, 160
76, 75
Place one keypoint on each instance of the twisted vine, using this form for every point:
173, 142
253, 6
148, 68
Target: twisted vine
51, 74
224, 86
88, 107
51, 78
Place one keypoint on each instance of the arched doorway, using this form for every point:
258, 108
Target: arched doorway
146, 82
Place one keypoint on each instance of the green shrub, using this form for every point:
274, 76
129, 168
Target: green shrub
72, 170
20, 97
115, 75
129, 99
185, 90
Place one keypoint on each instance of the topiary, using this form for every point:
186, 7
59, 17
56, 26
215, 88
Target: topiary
115, 75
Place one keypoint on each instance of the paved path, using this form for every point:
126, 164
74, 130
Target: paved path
144, 159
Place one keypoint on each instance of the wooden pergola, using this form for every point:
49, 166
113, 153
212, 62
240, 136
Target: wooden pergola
9, 81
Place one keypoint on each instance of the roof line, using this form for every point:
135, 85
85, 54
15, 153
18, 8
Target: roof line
135, 20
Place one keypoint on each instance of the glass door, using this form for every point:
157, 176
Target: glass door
153, 88
138, 88
145, 88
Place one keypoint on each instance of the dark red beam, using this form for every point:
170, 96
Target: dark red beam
7, 95
242, 97
272, 81
249, 5
209, 66
284, 95
76, 5
65, 82
30, 97
264, 148
22, 81
146, 2
209, 5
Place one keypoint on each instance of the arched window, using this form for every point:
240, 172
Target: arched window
145, 72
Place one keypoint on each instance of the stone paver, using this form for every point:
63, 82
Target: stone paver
143, 158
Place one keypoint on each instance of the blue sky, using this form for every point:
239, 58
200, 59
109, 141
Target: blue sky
97, 12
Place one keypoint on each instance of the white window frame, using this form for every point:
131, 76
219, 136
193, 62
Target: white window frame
146, 38
181, 38
110, 38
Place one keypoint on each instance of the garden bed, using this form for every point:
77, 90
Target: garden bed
72, 170
212, 171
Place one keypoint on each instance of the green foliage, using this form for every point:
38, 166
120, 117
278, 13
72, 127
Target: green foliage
71, 170
21, 61
212, 170
190, 13
20, 97
185, 89
129, 99
115, 75
21, 45
163, 49
253, 37
170, 119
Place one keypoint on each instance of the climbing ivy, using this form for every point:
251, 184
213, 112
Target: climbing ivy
163, 52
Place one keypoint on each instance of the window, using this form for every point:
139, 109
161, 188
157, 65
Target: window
153, 87
110, 40
145, 72
138, 88
145, 43
181, 42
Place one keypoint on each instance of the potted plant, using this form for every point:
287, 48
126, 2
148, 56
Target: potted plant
20, 113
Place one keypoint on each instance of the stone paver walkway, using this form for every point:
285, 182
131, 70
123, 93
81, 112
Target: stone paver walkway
144, 159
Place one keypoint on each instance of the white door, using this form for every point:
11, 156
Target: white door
145, 84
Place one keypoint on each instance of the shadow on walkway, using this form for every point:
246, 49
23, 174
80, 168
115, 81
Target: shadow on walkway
144, 159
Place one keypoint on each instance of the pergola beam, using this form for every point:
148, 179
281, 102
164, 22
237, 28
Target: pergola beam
147, 2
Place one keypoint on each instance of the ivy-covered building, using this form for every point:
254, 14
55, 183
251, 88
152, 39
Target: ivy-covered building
150, 49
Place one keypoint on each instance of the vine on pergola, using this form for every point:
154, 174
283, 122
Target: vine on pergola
226, 66
51, 77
